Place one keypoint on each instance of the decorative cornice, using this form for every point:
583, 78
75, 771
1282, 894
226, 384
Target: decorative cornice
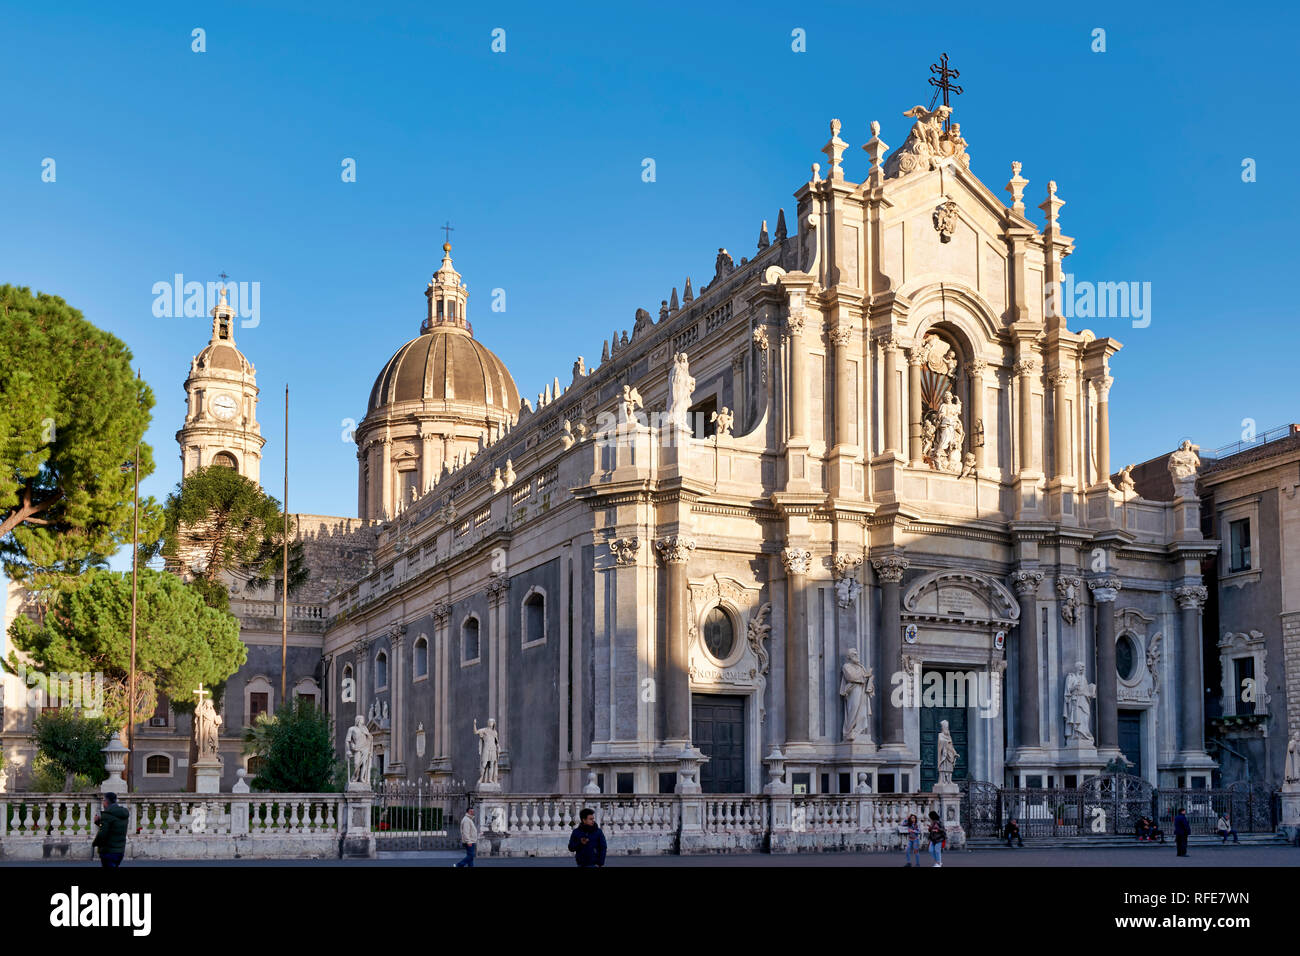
675, 549
890, 568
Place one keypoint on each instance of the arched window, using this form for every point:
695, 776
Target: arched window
347, 686
381, 670
420, 658
255, 765
469, 641
158, 765
534, 618
225, 459
306, 690
258, 699
719, 633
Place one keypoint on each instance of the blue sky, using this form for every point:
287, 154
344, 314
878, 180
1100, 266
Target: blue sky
171, 161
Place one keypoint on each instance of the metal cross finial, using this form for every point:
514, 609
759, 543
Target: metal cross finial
201, 693
448, 229
223, 277
942, 82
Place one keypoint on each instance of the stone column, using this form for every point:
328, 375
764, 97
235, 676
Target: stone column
797, 563
914, 451
889, 571
889, 363
675, 551
1060, 380
1025, 369
1191, 696
845, 431
1104, 591
975, 369
1103, 428
396, 765
426, 461
498, 630
1028, 734
798, 377
386, 477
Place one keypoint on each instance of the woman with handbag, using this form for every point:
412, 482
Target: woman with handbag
937, 836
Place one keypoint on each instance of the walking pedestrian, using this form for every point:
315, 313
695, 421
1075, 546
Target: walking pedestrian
911, 831
111, 838
1182, 830
937, 836
1225, 829
468, 837
586, 841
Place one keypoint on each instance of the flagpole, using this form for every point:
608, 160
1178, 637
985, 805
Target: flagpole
135, 569
284, 579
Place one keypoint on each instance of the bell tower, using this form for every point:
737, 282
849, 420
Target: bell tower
221, 408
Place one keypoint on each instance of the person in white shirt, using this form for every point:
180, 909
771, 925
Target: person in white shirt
468, 837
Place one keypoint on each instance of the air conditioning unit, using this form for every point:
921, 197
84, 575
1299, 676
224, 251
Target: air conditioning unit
157, 721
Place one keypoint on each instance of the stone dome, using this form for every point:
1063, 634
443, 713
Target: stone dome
219, 355
445, 364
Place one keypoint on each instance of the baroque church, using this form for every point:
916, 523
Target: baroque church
855, 487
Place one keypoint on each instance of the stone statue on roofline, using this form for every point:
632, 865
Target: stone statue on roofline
680, 388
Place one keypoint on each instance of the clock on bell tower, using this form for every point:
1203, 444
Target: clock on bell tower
221, 404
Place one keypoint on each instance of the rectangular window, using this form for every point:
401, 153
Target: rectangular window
1243, 669
667, 782
624, 783
1239, 545
699, 415
258, 703
845, 786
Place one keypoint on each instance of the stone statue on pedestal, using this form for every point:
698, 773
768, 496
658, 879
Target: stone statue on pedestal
947, 755
206, 723
1078, 692
857, 684
360, 746
680, 387
1291, 776
488, 753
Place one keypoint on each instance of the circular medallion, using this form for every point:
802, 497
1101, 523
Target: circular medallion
909, 634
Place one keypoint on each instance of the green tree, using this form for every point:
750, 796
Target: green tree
72, 743
296, 750
71, 412
219, 523
86, 629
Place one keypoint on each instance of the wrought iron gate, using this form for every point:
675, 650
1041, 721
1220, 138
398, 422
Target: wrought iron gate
1111, 805
418, 815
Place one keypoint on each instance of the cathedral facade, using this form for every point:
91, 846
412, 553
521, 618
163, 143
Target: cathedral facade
854, 490
857, 486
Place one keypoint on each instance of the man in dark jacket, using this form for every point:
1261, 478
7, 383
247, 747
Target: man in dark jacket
111, 838
587, 841
1182, 830
1012, 832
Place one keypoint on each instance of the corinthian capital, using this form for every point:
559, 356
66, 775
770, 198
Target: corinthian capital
1025, 583
846, 563
890, 568
395, 634
625, 550
441, 612
796, 560
1103, 387
1059, 378
841, 335
1026, 366
1104, 589
1191, 597
794, 325
675, 549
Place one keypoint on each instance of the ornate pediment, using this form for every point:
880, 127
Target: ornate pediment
961, 597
